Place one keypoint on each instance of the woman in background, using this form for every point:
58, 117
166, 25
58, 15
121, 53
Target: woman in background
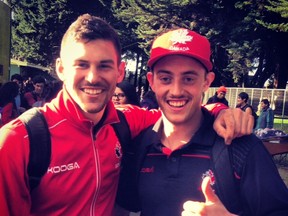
149, 101
266, 117
8, 108
125, 93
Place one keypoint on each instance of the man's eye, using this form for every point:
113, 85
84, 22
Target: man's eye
105, 66
165, 79
189, 79
81, 65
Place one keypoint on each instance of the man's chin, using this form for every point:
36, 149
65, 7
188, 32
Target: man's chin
93, 110
92, 107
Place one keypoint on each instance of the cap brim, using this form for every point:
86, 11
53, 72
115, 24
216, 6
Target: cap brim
160, 53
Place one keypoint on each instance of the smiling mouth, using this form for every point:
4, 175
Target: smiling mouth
177, 104
92, 91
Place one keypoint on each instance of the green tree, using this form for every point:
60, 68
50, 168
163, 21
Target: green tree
38, 26
238, 40
276, 20
273, 22
36, 29
245, 35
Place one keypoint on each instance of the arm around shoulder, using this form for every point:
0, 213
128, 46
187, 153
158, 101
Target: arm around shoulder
139, 118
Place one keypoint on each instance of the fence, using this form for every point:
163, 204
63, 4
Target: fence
278, 98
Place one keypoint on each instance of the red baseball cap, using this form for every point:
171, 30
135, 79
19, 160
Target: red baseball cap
221, 89
181, 42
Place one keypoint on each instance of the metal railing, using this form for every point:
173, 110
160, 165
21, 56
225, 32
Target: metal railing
278, 98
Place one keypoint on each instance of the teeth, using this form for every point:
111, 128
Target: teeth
92, 91
177, 103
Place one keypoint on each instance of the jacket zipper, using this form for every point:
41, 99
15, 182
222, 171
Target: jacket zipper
97, 171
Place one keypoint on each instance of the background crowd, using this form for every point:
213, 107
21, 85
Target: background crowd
19, 95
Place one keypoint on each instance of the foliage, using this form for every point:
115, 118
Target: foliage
237, 39
38, 26
245, 36
36, 29
279, 7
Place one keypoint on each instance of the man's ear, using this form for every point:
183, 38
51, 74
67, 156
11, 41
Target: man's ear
210, 76
122, 71
60, 69
150, 80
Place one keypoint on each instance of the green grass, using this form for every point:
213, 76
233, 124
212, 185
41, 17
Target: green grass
281, 124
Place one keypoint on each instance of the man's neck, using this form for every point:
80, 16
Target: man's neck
176, 135
37, 94
243, 105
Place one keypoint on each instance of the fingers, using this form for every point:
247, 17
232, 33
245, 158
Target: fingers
224, 125
238, 122
198, 208
192, 208
250, 124
232, 123
187, 213
244, 123
212, 205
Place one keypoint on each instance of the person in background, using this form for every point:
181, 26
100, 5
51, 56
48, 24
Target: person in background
8, 107
20, 97
36, 98
53, 88
219, 96
125, 93
28, 84
149, 101
266, 117
86, 155
174, 157
242, 103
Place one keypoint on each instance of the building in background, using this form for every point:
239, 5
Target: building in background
5, 39
30, 70
8, 66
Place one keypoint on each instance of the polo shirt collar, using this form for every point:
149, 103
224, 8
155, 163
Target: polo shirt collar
205, 135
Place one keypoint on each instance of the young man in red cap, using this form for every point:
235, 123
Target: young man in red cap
174, 157
219, 96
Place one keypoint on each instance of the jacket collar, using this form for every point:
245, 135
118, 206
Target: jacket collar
65, 105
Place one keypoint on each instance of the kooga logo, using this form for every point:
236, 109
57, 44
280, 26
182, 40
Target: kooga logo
63, 168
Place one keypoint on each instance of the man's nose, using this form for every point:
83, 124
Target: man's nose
176, 88
93, 74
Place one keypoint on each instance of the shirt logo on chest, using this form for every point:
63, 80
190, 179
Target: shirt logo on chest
118, 150
118, 154
63, 168
210, 174
147, 169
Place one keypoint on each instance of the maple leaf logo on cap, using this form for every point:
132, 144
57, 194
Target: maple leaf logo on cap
180, 36
181, 42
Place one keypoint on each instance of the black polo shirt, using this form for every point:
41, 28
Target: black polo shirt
168, 179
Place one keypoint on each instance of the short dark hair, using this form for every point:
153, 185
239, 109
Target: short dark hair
130, 92
88, 28
17, 77
8, 92
38, 79
266, 101
244, 96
